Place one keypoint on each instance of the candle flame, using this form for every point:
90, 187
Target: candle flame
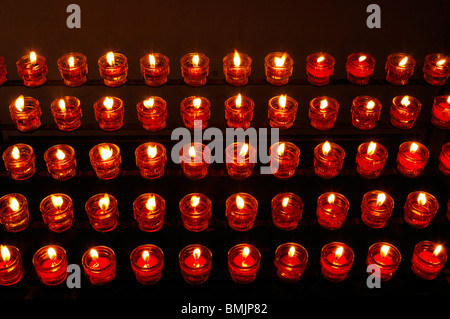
448, 99
285, 202
405, 101
413, 148
195, 200
239, 202
195, 60
371, 148
370, 105
149, 103
245, 252
282, 100
104, 202
62, 105
384, 250
197, 253
110, 58
291, 252
238, 100
323, 104
280, 61
197, 102
440, 62
437, 250
192, 151
15, 153
106, 152
244, 150
71, 62
57, 201
326, 147
152, 151
422, 199
381, 198
14, 204
108, 103
151, 60
20, 103
51, 253
362, 58
145, 256
5, 254
151, 203
94, 254
281, 149
331, 198
320, 59
338, 252
403, 61
33, 57
60, 155
237, 59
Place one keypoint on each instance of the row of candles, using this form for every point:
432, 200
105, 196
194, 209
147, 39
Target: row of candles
147, 262
240, 158
278, 66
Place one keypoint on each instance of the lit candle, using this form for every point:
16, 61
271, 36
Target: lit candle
370, 159
336, 260
113, 68
428, 260
420, 209
440, 112
109, 113
32, 69
404, 111
149, 210
237, 68
319, 68
195, 211
365, 112
240, 160
287, 210
239, 111
73, 69
3, 71
194, 160
67, 113
195, 69
155, 69
61, 162
19, 160
444, 159
25, 113
243, 263
99, 264
290, 262
147, 263
106, 160
103, 212
195, 263
195, 109
387, 257
284, 159
51, 264
282, 111
323, 112
278, 68
376, 208
328, 159
151, 160
399, 68
360, 67
436, 68
152, 113
57, 212
11, 267
241, 210
412, 158
332, 209
14, 213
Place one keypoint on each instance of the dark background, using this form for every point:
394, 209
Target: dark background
215, 28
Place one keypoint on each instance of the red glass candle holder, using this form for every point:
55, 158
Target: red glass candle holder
61, 162
360, 68
332, 209
444, 159
151, 160
420, 209
239, 111
237, 68
67, 113
282, 111
103, 212
284, 159
155, 69
26, 113
412, 158
440, 112
106, 160
195, 69
113, 68
243, 263
3, 71
404, 111
152, 113
436, 69
149, 211
428, 260
399, 68
370, 159
328, 159
20, 161
376, 208
387, 257
336, 260
99, 264
14, 212
278, 68
147, 263
73, 69
287, 210
319, 68
195, 211
240, 160
195, 263
57, 212
109, 113
290, 262
241, 210
323, 112
32, 69
194, 160
195, 109
11, 267
365, 112
51, 264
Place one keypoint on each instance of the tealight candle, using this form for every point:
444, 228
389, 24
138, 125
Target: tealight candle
282, 111
67, 113
240, 160
106, 160
147, 263
103, 212
149, 210
404, 111
195, 263
61, 162
332, 209
420, 209
243, 263
19, 160
360, 67
109, 113
195, 69
370, 159
73, 69
428, 259
365, 112
51, 264
436, 68
113, 68
444, 159
387, 257
194, 160
14, 213
32, 69
155, 69
99, 264
319, 68
336, 260
328, 159
151, 159
57, 212
195, 211
284, 159
278, 68
440, 112
152, 113
239, 111
11, 267
287, 210
290, 262
3, 71
241, 210
195, 112
399, 68
412, 158
323, 112
26, 113
376, 208
237, 68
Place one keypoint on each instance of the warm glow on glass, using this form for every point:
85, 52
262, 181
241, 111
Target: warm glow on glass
370, 105
326, 148
384, 250
105, 152
108, 103
331, 198
237, 59
381, 198
403, 61
15, 153
5, 254
280, 61
20, 103
323, 104
60, 155
281, 149
405, 101
371, 148
110, 58
422, 199
239, 202
195, 60
71, 62
152, 151
104, 202
285, 201
362, 58
14, 204
151, 203
151, 60
195, 200
57, 201
149, 103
